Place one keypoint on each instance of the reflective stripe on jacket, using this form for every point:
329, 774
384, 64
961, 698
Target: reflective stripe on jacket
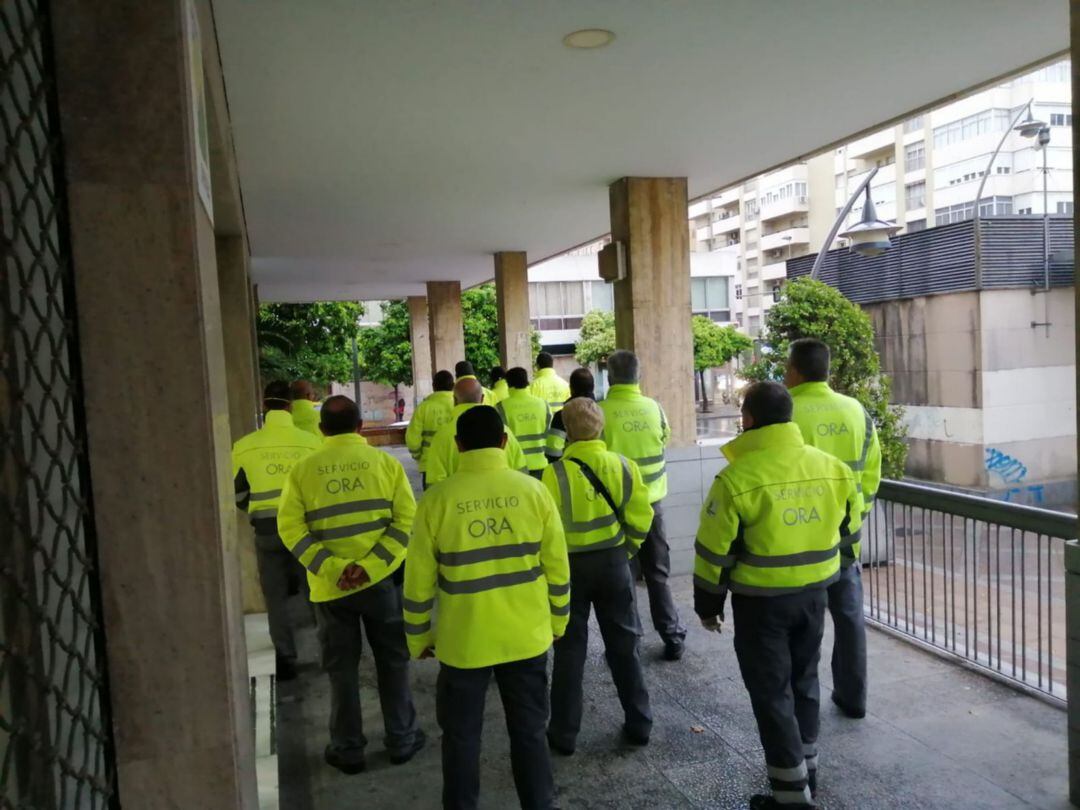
528, 418
775, 517
305, 416
840, 426
436, 410
588, 521
347, 503
551, 388
261, 462
443, 455
488, 547
635, 426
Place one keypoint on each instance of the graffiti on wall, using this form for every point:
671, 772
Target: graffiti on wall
1011, 470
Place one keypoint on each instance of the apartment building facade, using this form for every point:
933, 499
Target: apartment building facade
929, 169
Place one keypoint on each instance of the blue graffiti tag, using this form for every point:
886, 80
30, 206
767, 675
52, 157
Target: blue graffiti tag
1010, 469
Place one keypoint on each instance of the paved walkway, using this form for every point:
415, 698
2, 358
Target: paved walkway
937, 736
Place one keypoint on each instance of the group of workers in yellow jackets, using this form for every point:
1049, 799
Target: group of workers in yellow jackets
541, 505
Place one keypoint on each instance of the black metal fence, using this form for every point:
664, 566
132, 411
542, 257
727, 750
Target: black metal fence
55, 742
971, 577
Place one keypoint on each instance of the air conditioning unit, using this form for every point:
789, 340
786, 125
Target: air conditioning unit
612, 262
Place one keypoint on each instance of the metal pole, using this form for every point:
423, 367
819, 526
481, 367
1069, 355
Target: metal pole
355, 372
1046, 222
820, 260
976, 218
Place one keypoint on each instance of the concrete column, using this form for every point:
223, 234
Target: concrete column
652, 304
421, 347
237, 319
157, 409
1072, 551
512, 299
444, 322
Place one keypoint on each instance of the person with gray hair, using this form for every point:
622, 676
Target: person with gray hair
606, 515
637, 428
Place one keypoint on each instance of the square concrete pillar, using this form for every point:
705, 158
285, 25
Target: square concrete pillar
512, 300
446, 331
420, 337
652, 304
156, 402
1072, 550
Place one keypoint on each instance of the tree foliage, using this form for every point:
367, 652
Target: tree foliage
715, 345
385, 350
307, 341
597, 338
480, 315
810, 308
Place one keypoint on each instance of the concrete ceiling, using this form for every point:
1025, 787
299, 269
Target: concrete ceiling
385, 143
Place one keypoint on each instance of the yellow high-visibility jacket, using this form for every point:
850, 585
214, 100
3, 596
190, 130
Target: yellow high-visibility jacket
436, 410
774, 520
489, 395
501, 390
840, 426
305, 414
588, 521
260, 464
443, 455
488, 549
528, 418
347, 503
551, 388
635, 426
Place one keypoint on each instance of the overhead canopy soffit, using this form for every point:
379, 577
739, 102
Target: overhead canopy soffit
382, 145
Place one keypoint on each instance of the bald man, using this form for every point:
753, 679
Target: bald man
442, 459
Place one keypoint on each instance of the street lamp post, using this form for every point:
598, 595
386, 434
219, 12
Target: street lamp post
869, 237
1043, 143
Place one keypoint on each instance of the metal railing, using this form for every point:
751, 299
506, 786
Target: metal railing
972, 578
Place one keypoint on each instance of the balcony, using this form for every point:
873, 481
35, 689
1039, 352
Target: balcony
727, 197
788, 236
698, 209
703, 234
774, 270
784, 207
877, 142
726, 224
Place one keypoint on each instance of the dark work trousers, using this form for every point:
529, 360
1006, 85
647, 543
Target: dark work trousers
600, 580
277, 567
378, 609
459, 705
849, 643
778, 644
654, 562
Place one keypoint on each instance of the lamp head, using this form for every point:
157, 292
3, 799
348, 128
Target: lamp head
870, 236
1030, 126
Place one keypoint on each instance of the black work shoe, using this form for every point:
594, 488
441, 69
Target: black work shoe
673, 649
349, 764
418, 743
849, 711
759, 801
286, 668
635, 738
561, 750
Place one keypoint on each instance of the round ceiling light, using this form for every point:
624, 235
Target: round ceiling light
589, 38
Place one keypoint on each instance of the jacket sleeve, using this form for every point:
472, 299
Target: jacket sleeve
555, 564
241, 486
556, 438
714, 553
637, 512
414, 433
851, 526
514, 457
437, 461
665, 427
871, 473
295, 534
421, 577
389, 551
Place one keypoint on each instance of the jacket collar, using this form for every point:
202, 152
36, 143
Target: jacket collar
462, 407
519, 392
770, 437
544, 372
345, 440
303, 405
278, 419
488, 459
624, 389
585, 448
810, 388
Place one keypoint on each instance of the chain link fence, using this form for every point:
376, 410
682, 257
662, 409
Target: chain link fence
55, 743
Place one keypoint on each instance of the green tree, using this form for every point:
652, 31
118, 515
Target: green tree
385, 350
597, 338
714, 346
480, 316
810, 308
307, 341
